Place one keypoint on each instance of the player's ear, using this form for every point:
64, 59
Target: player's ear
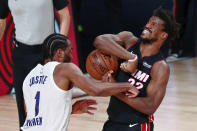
60, 53
164, 35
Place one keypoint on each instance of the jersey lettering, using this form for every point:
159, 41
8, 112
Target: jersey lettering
133, 82
141, 76
37, 121
37, 80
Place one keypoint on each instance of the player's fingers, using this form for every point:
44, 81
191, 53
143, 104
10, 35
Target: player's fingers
110, 72
92, 102
129, 95
133, 90
92, 108
122, 66
91, 113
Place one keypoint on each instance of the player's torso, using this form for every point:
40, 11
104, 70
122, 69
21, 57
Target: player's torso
33, 19
48, 107
140, 79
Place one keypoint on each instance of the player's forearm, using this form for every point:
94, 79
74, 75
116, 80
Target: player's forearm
64, 21
2, 27
109, 46
109, 89
141, 104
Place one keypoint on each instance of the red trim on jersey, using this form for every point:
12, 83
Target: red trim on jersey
148, 128
145, 127
151, 118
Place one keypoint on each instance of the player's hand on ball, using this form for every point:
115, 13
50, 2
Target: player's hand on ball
130, 65
108, 77
133, 92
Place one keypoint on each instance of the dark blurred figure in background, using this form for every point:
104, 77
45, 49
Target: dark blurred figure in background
185, 12
93, 18
113, 8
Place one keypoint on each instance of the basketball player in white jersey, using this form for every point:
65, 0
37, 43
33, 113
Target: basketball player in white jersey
47, 88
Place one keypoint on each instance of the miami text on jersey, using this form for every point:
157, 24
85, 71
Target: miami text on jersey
140, 75
37, 80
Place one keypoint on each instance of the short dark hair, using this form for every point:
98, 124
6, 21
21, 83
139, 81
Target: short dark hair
52, 43
170, 25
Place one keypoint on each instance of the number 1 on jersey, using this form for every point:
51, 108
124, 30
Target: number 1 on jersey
37, 97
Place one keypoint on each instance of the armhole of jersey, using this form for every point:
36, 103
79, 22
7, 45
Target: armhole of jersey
55, 86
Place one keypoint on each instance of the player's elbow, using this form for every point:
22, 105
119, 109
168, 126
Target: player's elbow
99, 41
150, 109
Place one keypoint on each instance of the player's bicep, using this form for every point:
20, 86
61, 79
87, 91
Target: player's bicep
75, 75
157, 86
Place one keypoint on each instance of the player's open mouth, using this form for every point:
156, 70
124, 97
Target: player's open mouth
147, 29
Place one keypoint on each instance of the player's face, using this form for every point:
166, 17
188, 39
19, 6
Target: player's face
152, 30
68, 52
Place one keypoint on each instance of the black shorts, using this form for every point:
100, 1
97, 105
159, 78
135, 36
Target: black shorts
115, 126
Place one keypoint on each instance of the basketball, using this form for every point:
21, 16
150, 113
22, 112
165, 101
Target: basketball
97, 64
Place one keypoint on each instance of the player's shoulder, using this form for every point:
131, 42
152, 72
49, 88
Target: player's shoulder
161, 68
67, 67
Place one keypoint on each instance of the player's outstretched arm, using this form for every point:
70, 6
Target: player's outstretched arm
155, 91
116, 44
71, 72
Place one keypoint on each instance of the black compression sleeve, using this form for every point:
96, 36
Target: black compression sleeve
60, 4
4, 9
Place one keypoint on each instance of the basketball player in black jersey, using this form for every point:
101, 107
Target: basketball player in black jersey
150, 77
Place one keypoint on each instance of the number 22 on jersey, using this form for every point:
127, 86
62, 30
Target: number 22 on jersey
135, 83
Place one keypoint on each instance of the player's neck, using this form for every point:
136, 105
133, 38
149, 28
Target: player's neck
149, 49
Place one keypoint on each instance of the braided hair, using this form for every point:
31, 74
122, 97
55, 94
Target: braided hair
52, 43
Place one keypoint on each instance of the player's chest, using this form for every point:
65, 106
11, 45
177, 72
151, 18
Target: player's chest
23, 5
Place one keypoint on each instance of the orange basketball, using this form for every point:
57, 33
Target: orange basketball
97, 64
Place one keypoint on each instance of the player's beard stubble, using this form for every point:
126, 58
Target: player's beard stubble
148, 41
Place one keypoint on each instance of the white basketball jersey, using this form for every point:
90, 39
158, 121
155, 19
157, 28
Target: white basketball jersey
48, 107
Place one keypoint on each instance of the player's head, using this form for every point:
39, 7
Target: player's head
57, 47
160, 27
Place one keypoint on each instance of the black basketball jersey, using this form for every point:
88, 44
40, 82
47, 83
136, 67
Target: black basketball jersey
118, 110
